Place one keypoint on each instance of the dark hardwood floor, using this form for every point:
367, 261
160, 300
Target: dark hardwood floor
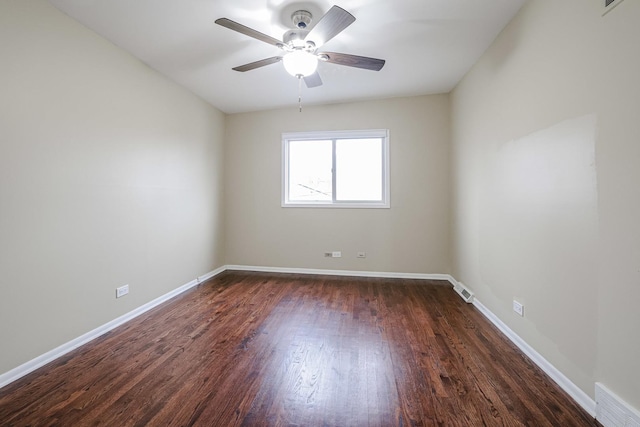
292, 350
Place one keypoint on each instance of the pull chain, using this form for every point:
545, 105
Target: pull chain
300, 92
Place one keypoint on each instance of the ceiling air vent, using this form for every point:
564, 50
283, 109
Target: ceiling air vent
608, 5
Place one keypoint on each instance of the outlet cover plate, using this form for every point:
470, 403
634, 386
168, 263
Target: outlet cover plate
122, 291
518, 308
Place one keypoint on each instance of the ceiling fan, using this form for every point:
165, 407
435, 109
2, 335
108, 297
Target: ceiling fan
301, 44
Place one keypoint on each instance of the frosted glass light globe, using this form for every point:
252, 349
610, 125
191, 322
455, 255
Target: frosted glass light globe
300, 63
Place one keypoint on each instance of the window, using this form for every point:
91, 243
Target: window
348, 169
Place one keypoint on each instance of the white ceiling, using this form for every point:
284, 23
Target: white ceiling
428, 44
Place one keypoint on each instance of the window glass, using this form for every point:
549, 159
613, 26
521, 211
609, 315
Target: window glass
310, 164
358, 169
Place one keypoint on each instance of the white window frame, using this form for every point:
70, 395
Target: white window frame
335, 135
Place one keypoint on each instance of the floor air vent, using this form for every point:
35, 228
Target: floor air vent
464, 293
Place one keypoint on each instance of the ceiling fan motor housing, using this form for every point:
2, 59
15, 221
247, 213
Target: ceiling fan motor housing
295, 39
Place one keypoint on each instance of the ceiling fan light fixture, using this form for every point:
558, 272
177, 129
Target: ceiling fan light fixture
300, 63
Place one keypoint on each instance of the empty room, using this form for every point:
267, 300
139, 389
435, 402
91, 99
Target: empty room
319, 213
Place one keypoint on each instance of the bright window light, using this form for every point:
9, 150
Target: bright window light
358, 169
310, 170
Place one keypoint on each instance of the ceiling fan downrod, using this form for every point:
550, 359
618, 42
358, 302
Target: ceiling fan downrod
301, 19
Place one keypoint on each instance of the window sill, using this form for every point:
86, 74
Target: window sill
338, 205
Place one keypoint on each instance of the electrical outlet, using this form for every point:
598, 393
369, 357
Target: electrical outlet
518, 308
335, 254
362, 255
122, 291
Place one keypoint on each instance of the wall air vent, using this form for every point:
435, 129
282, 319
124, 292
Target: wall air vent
608, 5
464, 293
612, 411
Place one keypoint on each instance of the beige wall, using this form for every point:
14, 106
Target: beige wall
109, 174
411, 237
546, 173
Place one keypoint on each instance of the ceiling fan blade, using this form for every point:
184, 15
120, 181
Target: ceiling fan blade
313, 80
330, 25
258, 64
365, 62
232, 25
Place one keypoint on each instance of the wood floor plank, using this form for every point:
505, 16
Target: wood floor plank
255, 349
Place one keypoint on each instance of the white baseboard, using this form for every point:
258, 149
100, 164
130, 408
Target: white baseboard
211, 274
576, 393
582, 398
612, 411
38, 362
355, 273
